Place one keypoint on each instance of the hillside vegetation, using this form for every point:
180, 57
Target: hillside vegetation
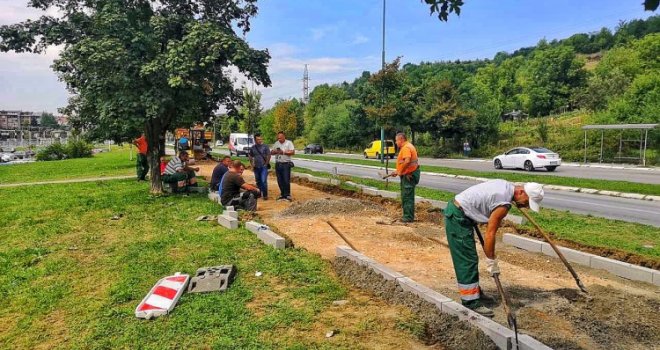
603, 77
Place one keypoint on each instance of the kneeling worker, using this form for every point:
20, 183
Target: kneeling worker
232, 184
488, 202
179, 174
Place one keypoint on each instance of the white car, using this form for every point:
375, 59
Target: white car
528, 158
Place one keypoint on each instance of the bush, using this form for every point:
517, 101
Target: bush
78, 149
58, 151
300, 143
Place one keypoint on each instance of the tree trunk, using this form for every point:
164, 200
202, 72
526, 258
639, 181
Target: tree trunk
155, 134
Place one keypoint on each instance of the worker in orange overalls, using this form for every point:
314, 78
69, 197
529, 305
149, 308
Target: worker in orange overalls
407, 168
142, 165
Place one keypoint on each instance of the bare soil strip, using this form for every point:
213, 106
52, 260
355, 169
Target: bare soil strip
617, 314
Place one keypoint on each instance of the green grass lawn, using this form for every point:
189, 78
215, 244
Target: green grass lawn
587, 230
70, 277
620, 186
104, 164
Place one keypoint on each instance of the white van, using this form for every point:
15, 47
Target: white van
240, 144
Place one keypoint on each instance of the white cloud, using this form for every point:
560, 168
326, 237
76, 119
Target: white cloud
360, 39
321, 32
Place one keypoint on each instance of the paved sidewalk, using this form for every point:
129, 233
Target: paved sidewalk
68, 181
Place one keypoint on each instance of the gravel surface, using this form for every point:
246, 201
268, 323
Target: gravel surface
329, 206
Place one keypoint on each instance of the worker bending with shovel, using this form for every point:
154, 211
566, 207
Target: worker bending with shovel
407, 168
488, 202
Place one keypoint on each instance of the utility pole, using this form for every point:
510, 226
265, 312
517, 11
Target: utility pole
382, 129
305, 98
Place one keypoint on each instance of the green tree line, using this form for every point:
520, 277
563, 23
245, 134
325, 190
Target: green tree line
614, 76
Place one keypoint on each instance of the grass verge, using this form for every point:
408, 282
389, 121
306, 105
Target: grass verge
70, 277
114, 163
609, 237
609, 185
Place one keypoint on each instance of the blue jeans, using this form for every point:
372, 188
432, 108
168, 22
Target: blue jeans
261, 176
283, 172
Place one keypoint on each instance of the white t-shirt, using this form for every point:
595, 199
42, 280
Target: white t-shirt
480, 200
286, 146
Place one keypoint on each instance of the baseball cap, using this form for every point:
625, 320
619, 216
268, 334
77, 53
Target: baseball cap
535, 193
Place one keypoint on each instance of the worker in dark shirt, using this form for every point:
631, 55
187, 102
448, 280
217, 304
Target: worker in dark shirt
232, 184
219, 171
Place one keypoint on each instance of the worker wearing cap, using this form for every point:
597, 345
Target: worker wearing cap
407, 168
488, 202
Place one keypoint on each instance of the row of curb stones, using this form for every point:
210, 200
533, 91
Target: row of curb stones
550, 187
503, 337
615, 267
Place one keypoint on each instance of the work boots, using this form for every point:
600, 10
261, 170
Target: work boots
484, 311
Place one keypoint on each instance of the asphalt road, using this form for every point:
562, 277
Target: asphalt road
632, 175
632, 210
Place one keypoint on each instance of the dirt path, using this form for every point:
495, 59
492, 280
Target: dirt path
617, 314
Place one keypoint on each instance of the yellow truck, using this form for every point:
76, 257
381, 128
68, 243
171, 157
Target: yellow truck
373, 150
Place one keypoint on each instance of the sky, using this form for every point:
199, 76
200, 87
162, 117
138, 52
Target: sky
339, 39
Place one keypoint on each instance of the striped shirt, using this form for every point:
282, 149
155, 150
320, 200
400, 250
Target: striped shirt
174, 165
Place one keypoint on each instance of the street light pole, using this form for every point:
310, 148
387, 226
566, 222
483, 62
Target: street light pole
382, 67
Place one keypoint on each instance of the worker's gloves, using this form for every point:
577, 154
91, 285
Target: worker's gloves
492, 267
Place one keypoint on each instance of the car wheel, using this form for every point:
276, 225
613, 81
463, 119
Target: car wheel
550, 168
365, 155
529, 166
392, 157
498, 164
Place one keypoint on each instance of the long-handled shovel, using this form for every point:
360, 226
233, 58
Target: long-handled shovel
510, 316
554, 247
342, 236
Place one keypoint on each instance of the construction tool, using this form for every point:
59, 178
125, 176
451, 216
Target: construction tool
554, 247
510, 316
342, 236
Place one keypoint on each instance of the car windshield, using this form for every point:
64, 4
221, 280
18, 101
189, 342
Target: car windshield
244, 141
541, 150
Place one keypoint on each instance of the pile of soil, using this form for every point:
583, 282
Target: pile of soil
440, 328
329, 206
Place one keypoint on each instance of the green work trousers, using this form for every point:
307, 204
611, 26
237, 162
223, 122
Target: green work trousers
408, 183
175, 178
142, 166
460, 235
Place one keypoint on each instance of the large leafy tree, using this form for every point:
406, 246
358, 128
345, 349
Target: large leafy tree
144, 65
287, 117
387, 98
251, 110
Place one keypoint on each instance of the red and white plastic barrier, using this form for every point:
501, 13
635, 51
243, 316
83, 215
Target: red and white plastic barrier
162, 298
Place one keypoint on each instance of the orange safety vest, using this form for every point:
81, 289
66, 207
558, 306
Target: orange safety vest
407, 151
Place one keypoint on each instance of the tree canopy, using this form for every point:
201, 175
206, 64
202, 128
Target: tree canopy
144, 65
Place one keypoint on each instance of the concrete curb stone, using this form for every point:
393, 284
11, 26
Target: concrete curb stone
525, 342
267, 236
571, 255
228, 222
621, 269
530, 245
230, 213
615, 267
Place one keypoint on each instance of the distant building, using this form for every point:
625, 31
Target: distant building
13, 120
514, 115
62, 120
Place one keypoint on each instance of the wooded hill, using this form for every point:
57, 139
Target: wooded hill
601, 77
